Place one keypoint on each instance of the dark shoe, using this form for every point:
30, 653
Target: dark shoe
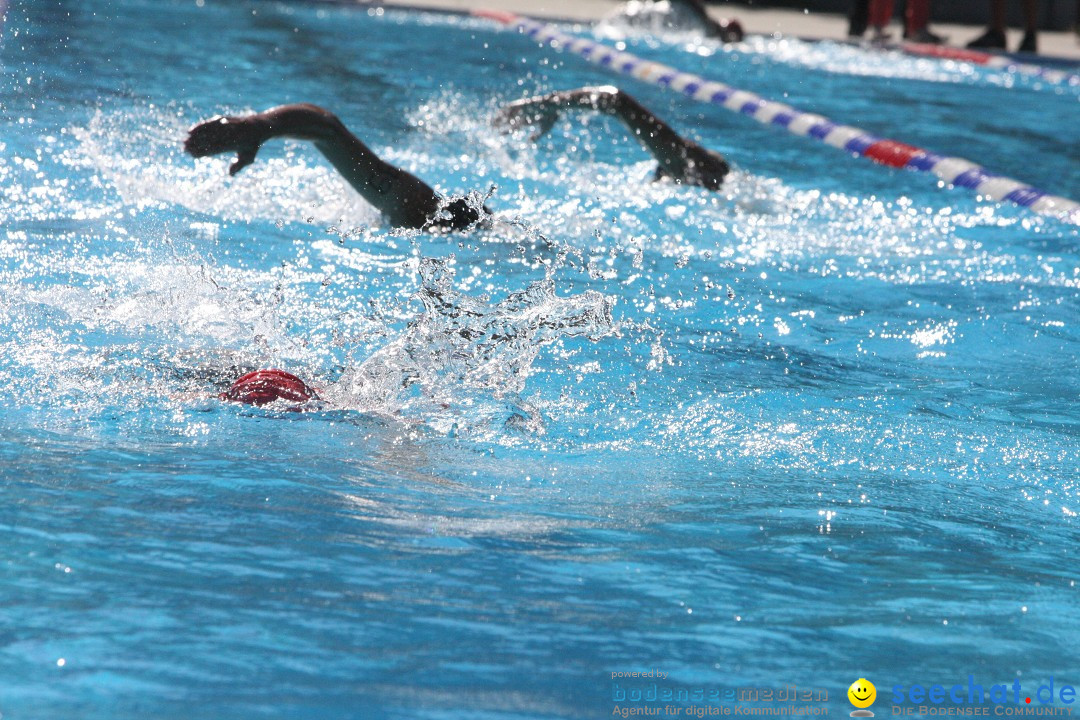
1027, 45
925, 37
878, 36
993, 39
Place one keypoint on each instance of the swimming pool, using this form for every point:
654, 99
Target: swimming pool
818, 426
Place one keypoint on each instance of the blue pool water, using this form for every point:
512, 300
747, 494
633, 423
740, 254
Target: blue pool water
821, 425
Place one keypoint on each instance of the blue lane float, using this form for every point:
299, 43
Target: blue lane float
953, 171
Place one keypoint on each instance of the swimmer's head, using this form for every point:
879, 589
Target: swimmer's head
263, 387
729, 31
697, 166
463, 215
706, 168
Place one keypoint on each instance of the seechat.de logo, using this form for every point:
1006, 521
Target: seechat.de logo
862, 695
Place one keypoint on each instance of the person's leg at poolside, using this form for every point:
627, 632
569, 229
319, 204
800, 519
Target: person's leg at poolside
881, 12
916, 19
858, 18
1031, 26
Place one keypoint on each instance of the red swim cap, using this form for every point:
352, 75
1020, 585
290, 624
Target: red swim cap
263, 387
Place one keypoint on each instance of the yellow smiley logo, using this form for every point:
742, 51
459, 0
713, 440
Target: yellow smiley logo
862, 693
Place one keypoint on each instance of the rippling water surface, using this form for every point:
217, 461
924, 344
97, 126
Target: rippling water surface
819, 425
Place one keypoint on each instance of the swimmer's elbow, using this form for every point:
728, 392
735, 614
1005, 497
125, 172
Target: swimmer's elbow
303, 108
305, 121
599, 97
615, 95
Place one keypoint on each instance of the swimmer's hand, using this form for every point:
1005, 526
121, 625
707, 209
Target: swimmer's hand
242, 135
538, 113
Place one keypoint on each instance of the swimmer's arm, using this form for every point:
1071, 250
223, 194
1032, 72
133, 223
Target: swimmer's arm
698, 8
726, 30
402, 197
667, 146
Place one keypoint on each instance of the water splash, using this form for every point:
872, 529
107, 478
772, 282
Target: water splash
469, 356
579, 207
669, 20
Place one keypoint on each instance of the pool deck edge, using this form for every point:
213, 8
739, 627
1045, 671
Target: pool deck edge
825, 26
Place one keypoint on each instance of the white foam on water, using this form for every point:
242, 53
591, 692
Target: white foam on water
385, 328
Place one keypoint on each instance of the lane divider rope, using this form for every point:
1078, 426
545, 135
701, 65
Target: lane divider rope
990, 60
951, 170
